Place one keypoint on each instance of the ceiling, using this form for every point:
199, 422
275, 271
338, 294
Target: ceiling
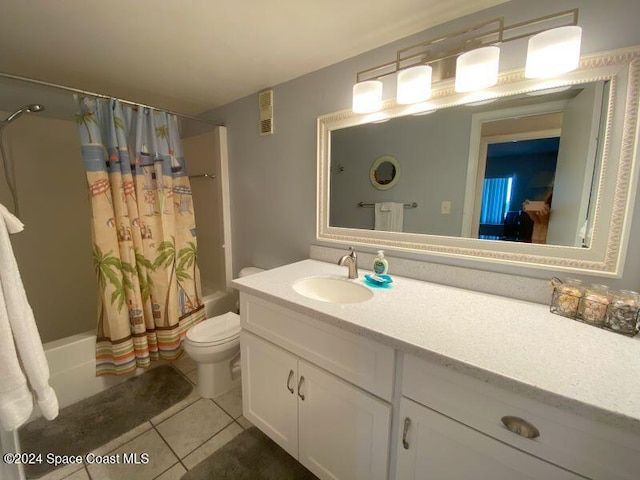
193, 55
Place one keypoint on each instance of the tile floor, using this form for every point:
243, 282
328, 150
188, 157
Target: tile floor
175, 440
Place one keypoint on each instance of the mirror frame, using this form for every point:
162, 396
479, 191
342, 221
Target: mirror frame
374, 167
616, 186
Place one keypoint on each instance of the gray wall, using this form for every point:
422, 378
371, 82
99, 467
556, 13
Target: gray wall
433, 160
273, 178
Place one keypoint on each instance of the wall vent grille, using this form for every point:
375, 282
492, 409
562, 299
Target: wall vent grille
265, 103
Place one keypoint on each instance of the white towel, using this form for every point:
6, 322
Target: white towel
19, 337
389, 216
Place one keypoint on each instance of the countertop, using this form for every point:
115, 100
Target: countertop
510, 343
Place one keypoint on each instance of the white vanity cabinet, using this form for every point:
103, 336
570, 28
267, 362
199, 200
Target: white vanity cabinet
456, 363
436, 447
268, 402
294, 389
451, 428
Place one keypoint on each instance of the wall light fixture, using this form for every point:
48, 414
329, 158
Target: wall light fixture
554, 48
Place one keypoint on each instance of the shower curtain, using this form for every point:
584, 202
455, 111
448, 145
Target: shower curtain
143, 232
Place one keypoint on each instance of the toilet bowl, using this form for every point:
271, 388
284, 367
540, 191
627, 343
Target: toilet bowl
214, 344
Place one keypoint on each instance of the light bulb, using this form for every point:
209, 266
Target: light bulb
367, 96
414, 85
477, 69
553, 52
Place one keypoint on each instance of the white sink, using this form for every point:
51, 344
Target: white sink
332, 290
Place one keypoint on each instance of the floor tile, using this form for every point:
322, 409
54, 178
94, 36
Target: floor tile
193, 426
160, 459
185, 364
193, 376
244, 423
220, 440
174, 473
62, 472
79, 475
193, 397
231, 401
122, 439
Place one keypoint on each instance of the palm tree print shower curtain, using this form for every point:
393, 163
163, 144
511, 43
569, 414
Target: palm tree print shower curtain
143, 232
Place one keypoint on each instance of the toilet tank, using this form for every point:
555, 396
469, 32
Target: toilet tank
245, 272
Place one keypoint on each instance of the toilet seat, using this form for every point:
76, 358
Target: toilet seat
216, 330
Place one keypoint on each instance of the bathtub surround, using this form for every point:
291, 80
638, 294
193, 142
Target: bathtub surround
250, 456
93, 422
207, 154
53, 204
21, 354
143, 232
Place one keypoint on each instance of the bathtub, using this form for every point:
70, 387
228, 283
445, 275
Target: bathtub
217, 302
72, 361
72, 365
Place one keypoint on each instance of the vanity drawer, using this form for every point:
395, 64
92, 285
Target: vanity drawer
581, 445
358, 360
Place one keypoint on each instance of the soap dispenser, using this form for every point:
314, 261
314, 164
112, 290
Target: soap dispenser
380, 264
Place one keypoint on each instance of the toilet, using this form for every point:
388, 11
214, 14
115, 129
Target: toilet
214, 344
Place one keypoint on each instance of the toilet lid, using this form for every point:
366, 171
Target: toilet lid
218, 329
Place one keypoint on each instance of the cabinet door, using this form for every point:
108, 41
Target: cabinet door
343, 431
269, 399
439, 448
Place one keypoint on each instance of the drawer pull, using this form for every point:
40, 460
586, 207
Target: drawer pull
405, 431
299, 386
289, 387
521, 427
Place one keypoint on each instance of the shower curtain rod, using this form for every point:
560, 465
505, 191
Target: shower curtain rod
100, 95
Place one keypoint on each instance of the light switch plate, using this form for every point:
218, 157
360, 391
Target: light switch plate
445, 207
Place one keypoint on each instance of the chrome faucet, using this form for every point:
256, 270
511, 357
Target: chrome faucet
351, 259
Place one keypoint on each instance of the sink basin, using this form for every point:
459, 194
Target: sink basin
332, 290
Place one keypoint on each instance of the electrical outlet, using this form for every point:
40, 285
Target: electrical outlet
445, 207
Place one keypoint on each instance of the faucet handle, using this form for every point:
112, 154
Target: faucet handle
353, 252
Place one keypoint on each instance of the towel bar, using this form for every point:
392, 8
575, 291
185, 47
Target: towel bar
203, 175
406, 205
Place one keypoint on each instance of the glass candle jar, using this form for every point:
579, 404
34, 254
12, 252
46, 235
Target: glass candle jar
566, 297
622, 315
593, 305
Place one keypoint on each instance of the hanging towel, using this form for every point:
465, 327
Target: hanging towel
19, 338
389, 216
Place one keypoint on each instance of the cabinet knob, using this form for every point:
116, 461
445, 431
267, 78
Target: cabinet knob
405, 432
521, 427
289, 387
299, 386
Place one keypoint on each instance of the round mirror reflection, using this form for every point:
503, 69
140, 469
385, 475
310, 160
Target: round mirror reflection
385, 172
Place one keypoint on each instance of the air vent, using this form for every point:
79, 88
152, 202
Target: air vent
265, 103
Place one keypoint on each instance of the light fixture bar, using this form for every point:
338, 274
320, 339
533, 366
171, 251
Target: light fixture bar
385, 69
469, 38
423, 48
546, 19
